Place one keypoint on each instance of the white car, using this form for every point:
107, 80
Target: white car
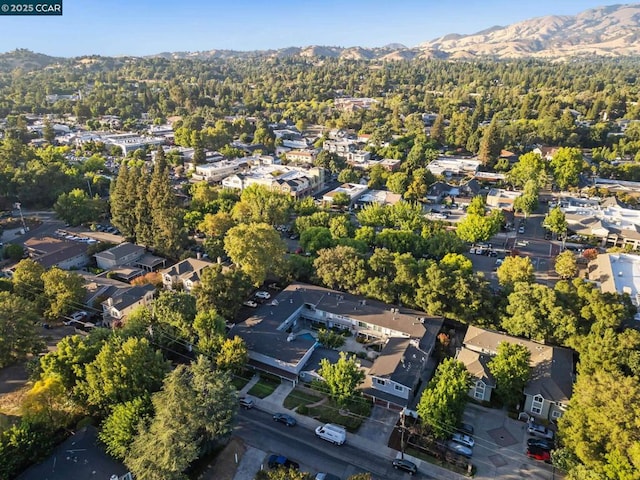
250, 303
463, 439
262, 295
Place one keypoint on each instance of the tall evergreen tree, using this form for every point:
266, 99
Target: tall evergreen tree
490, 145
437, 129
123, 201
166, 221
144, 227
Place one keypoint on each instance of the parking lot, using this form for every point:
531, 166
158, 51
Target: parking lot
500, 446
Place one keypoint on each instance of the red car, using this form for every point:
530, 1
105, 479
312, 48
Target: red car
539, 454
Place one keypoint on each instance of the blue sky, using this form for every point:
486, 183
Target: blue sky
144, 27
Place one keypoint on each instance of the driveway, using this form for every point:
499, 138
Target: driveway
500, 447
379, 425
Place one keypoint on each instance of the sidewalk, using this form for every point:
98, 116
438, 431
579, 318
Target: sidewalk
273, 404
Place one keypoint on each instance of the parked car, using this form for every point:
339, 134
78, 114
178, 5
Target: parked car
406, 465
288, 420
79, 316
250, 303
462, 439
247, 403
459, 449
542, 443
539, 454
278, 461
261, 294
326, 476
539, 430
521, 229
466, 428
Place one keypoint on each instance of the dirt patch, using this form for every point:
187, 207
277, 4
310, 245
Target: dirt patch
224, 466
10, 402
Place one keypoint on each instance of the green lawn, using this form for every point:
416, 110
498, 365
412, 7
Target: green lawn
329, 412
239, 381
300, 397
264, 387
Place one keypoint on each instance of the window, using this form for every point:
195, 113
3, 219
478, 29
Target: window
400, 388
479, 390
536, 404
380, 382
556, 414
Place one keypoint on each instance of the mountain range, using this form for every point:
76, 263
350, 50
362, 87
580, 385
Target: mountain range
610, 31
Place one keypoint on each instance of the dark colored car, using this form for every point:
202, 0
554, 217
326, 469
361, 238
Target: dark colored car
542, 443
280, 461
288, 420
406, 465
466, 428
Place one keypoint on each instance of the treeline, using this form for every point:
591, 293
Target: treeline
159, 381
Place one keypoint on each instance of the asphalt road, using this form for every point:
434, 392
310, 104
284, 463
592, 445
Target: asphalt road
314, 455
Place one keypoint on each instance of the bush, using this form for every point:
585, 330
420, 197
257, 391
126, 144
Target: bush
330, 339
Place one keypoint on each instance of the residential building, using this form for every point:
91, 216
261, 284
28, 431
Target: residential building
358, 157
296, 181
306, 157
340, 147
503, 199
278, 343
550, 384
353, 191
56, 252
454, 167
123, 254
351, 104
381, 197
184, 274
391, 164
122, 301
546, 153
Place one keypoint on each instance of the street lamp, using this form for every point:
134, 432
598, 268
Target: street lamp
18, 205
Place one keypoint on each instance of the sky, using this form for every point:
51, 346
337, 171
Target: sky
146, 27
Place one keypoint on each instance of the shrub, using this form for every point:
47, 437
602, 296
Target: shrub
330, 339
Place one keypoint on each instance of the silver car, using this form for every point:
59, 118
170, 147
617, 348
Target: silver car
465, 440
459, 449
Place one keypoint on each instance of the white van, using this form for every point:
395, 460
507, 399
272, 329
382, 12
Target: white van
332, 433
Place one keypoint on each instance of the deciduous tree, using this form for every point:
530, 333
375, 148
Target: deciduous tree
19, 334
341, 267
222, 290
515, 269
65, 291
510, 369
443, 401
124, 370
342, 377
120, 428
566, 265
256, 248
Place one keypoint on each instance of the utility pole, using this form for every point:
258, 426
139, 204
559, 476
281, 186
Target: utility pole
402, 434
